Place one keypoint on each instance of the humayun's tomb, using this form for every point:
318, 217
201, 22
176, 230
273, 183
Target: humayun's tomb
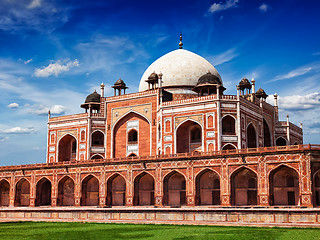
179, 151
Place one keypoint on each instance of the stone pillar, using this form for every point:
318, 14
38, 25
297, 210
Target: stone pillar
262, 183
190, 185
158, 194
129, 190
218, 119
305, 179
224, 184
77, 188
54, 189
238, 119
102, 188
33, 189
12, 190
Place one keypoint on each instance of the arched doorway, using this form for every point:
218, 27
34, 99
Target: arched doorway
66, 192
67, 148
228, 147
43, 195
281, 141
174, 189
96, 156
266, 134
90, 191
4, 193
284, 186
144, 190
22, 196
316, 184
207, 188
251, 136
189, 137
97, 139
228, 125
244, 187
116, 191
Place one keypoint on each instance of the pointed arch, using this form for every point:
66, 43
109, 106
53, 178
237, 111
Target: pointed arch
90, 191
43, 192
229, 146
228, 125
22, 196
97, 138
143, 189
66, 192
4, 192
67, 148
116, 190
189, 136
284, 186
207, 188
174, 189
266, 134
251, 136
97, 156
281, 141
243, 187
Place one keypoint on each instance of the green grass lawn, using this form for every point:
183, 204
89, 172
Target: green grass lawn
44, 230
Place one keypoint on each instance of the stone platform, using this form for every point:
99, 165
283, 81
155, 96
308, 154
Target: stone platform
285, 217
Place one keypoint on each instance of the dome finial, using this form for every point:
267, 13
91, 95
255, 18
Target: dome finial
180, 43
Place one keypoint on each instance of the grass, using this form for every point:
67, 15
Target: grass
78, 231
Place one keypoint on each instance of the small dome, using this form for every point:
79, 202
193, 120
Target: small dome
261, 93
119, 82
244, 83
153, 77
93, 97
209, 78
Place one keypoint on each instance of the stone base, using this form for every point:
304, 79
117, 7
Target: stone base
184, 215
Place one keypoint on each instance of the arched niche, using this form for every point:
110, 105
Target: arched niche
4, 193
228, 146
43, 192
207, 188
244, 187
281, 141
22, 196
133, 136
90, 191
228, 125
67, 148
174, 189
97, 139
284, 186
143, 190
66, 192
266, 134
251, 136
116, 191
189, 137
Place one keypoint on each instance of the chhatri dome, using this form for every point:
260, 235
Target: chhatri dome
181, 69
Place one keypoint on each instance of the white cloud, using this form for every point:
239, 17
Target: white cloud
300, 102
56, 68
3, 139
34, 4
28, 61
224, 57
264, 7
43, 110
18, 130
13, 105
216, 7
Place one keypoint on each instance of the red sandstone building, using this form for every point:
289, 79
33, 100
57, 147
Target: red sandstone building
179, 141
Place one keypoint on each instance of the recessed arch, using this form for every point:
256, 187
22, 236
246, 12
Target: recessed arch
281, 141
22, 195
97, 156
133, 136
251, 136
66, 191
97, 138
266, 134
316, 188
4, 192
228, 125
43, 192
189, 136
116, 190
229, 146
174, 189
284, 186
243, 187
143, 189
207, 188
90, 191
67, 148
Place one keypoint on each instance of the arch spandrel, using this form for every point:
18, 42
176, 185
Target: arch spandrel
144, 110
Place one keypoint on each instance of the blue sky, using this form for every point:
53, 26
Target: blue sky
53, 53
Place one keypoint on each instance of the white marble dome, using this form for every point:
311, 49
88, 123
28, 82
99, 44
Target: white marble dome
180, 68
